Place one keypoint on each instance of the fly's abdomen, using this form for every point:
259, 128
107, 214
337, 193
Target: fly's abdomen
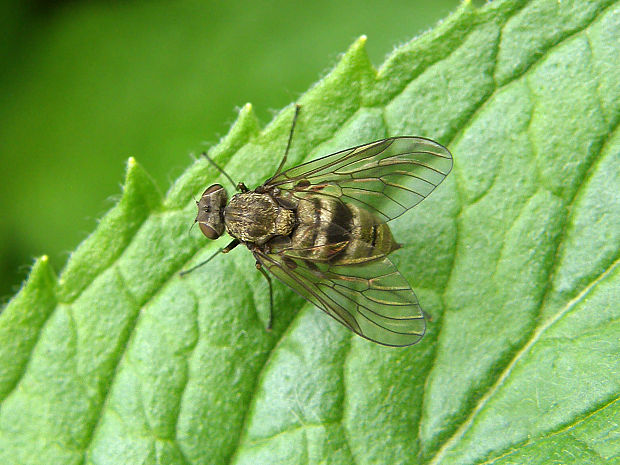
330, 230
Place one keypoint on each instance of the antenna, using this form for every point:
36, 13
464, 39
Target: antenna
204, 154
290, 139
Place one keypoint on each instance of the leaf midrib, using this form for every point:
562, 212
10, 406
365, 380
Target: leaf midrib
535, 337
593, 160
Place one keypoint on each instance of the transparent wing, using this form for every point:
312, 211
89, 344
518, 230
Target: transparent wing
386, 177
371, 299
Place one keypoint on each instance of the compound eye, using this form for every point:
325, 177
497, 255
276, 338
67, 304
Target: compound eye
208, 231
211, 189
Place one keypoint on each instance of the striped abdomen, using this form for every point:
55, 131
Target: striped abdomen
330, 230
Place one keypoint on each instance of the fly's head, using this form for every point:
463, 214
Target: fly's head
210, 216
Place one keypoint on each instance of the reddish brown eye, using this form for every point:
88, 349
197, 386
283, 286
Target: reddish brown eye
211, 189
208, 231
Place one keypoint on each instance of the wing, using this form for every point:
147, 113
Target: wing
372, 299
386, 177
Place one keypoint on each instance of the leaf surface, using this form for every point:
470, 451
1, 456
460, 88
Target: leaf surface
515, 257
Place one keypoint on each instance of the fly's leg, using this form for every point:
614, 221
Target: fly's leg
290, 139
226, 249
268, 278
234, 243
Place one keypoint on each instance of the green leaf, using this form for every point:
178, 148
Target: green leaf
515, 257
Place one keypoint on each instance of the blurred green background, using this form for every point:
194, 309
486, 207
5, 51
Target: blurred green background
86, 84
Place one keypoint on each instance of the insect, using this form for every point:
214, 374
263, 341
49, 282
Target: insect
321, 228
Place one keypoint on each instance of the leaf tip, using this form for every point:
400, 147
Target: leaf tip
139, 183
247, 119
140, 196
242, 130
245, 127
40, 264
358, 48
132, 166
38, 288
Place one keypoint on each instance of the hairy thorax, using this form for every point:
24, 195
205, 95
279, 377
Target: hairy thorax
256, 217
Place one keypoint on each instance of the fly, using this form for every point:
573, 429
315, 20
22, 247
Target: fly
321, 228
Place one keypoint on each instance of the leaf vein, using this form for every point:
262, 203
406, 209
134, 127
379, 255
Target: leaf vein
587, 172
553, 433
534, 338
259, 379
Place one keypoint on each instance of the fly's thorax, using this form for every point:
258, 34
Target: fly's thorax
330, 230
256, 217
